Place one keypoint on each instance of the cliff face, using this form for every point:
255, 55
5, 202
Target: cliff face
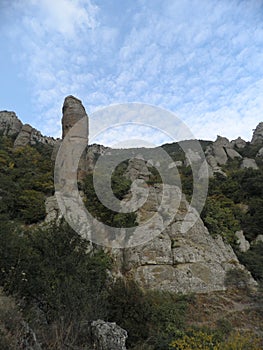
175, 259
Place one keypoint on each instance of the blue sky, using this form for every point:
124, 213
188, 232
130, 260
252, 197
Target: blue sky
200, 59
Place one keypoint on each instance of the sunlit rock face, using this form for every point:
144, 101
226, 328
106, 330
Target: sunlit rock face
9, 123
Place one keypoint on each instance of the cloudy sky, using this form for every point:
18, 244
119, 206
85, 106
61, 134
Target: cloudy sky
200, 59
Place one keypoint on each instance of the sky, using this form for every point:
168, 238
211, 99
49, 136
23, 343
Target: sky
202, 60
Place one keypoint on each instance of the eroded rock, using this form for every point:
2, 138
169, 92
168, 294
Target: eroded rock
9, 123
258, 134
108, 336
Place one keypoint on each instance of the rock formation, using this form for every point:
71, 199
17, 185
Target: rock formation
249, 163
243, 244
258, 134
108, 336
178, 261
73, 111
9, 123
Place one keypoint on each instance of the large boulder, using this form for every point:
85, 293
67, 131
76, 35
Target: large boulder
108, 336
249, 163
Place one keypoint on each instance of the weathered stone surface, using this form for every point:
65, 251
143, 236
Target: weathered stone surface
9, 123
249, 163
215, 168
258, 134
53, 212
222, 142
232, 153
239, 143
24, 136
73, 111
260, 153
108, 336
180, 260
93, 153
137, 169
243, 244
29, 135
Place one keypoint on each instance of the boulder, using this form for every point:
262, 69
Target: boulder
232, 153
239, 143
108, 336
258, 134
249, 163
243, 244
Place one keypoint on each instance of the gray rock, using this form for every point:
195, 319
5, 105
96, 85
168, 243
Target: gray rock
258, 134
232, 153
9, 123
108, 336
73, 111
260, 153
242, 242
259, 239
239, 143
220, 154
249, 163
29, 135
24, 136
179, 259
53, 212
222, 142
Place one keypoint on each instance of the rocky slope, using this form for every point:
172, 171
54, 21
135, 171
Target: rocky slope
175, 259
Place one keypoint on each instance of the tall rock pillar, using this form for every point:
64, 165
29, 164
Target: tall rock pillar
73, 111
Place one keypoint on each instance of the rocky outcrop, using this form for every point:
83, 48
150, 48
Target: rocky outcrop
9, 123
249, 163
258, 134
29, 135
108, 336
73, 111
243, 244
260, 153
220, 152
239, 143
179, 261
93, 153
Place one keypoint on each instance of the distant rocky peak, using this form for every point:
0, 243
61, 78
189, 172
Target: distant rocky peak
258, 134
25, 134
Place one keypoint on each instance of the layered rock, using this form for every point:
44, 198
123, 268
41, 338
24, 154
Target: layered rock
258, 134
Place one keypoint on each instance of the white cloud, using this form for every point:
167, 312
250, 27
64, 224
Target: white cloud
202, 62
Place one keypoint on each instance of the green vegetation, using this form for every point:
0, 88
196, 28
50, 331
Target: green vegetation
26, 178
60, 285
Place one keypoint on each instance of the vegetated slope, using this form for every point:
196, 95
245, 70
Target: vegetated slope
60, 287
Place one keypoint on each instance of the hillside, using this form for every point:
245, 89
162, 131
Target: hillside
202, 286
